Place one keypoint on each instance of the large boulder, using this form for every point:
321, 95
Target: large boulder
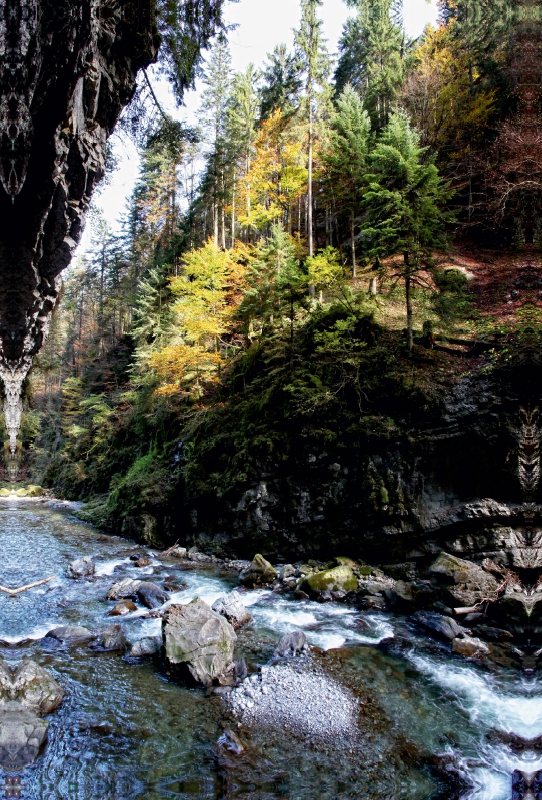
34, 687
231, 607
196, 636
151, 595
123, 589
466, 583
338, 579
259, 573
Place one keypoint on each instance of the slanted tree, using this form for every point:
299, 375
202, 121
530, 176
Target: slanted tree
405, 205
345, 158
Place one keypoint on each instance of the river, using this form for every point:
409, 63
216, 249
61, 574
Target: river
124, 731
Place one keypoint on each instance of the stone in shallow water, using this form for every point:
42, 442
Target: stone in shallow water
260, 572
198, 637
21, 735
147, 646
231, 607
66, 633
81, 568
122, 608
151, 595
123, 589
437, 625
469, 646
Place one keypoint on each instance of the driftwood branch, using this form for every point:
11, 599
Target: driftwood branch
14, 592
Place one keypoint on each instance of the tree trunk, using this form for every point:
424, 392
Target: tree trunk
408, 298
353, 246
309, 199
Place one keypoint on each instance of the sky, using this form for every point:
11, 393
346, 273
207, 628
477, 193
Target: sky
261, 24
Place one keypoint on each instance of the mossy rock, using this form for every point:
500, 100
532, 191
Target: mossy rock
347, 562
259, 572
332, 580
21, 493
365, 571
5, 493
34, 491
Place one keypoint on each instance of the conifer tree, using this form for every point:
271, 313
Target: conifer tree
404, 204
281, 83
371, 57
346, 157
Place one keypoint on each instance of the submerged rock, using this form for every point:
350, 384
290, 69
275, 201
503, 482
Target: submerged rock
231, 607
259, 573
112, 638
437, 625
81, 568
196, 636
151, 595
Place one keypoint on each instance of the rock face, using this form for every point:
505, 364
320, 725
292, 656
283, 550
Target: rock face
231, 607
67, 69
196, 636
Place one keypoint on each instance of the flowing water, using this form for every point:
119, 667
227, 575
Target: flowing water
124, 731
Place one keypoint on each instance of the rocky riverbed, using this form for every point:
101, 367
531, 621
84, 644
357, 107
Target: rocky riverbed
365, 700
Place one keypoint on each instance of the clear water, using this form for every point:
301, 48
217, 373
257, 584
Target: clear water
125, 732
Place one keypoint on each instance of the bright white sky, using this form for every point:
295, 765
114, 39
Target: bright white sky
262, 24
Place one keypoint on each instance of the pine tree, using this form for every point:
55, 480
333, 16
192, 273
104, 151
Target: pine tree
371, 57
315, 66
345, 158
404, 205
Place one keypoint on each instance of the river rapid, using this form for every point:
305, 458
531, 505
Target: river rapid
431, 725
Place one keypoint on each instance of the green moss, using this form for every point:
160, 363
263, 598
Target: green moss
365, 571
333, 580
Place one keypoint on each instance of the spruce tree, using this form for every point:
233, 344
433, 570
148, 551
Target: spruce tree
346, 157
405, 204
371, 57
281, 83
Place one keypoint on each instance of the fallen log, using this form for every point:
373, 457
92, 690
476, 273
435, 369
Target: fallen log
14, 592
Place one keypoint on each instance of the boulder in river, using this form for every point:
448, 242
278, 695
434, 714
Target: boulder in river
70, 633
151, 595
231, 607
22, 735
259, 573
123, 589
111, 638
437, 625
81, 568
196, 636
292, 644
147, 646
34, 687
122, 608
338, 579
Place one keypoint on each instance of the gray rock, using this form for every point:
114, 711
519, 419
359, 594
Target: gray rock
259, 573
469, 646
112, 638
33, 687
66, 633
179, 552
292, 644
467, 583
198, 637
287, 571
123, 589
22, 735
437, 625
151, 595
81, 568
231, 607
147, 646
